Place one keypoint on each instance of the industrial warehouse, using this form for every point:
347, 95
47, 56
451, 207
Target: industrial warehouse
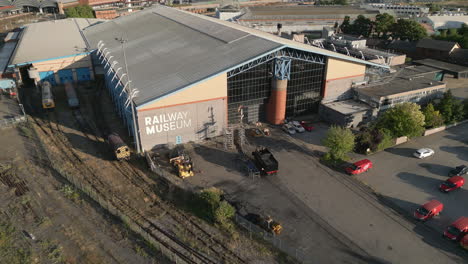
177, 77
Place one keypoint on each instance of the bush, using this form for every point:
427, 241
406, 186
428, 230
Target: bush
451, 108
465, 108
387, 140
83, 11
211, 208
340, 141
433, 118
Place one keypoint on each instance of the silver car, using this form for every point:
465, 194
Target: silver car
423, 153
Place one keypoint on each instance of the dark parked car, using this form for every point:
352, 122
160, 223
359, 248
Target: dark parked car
459, 171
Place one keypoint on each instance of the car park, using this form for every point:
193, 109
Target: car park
458, 171
457, 229
307, 125
288, 129
428, 210
359, 167
423, 153
297, 126
452, 183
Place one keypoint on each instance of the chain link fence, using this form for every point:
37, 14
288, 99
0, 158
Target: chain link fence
257, 231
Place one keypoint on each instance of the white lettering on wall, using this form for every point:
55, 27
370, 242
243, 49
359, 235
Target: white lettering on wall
167, 122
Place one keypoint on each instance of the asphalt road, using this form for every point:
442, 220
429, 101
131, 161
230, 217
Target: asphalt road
414, 181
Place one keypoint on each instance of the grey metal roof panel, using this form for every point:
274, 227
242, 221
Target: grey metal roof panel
165, 55
436, 44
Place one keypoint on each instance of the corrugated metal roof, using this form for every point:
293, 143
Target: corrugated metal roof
51, 39
164, 55
436, 44
169, 49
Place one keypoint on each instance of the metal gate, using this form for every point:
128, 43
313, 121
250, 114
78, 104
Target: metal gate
48, 76
65, 76
83, 74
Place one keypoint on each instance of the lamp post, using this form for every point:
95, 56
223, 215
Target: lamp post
130, 94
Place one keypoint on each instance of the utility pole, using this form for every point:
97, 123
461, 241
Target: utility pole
130, 94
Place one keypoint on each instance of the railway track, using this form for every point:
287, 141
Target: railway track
58, 140
215, 246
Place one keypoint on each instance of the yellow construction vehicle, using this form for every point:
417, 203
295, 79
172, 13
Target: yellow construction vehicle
182, 163
266, 223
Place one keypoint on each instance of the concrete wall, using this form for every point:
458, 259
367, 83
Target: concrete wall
81, 61
182, 123
340, 75
214, 88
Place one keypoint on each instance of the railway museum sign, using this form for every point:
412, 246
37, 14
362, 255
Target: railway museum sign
167, 122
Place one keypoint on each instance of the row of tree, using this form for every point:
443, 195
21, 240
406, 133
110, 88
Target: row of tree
384, 26
406, 119
459, 35
83, 11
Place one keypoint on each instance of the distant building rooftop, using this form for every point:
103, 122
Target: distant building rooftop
303, 11
436, 44
442, 65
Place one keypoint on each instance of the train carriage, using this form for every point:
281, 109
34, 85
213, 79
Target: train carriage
47, 96
72, 98
121, 150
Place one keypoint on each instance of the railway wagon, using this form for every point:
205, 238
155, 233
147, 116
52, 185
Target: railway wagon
72, 99
120, 149
47, 96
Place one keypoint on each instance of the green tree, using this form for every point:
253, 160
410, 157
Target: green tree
450, 108
340, 2
346, 25
434, 7
406, 29
340, 142
405, 119
383, 24
433, 118
362, 26
83, 11
465, 108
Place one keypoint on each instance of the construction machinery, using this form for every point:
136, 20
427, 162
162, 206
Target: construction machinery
182, 163
265, 161
266, 223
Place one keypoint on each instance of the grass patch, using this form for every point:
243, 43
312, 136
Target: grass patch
53, 251
71, 193
26, 131
10, 252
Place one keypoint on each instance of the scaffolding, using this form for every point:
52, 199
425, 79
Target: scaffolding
228, 139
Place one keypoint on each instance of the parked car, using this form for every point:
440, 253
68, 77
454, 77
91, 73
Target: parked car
423, 153
457, 229
464, 242
428, 210
307, 125
452, 183
359, 167
297, 126
458, 171
288, 129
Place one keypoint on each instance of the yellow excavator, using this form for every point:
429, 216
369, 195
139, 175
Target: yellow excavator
182, 163
266, 223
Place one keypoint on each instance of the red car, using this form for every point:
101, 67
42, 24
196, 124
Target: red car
428, 210
452, 183
307, 125
464, 242
457, 229
359, 167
